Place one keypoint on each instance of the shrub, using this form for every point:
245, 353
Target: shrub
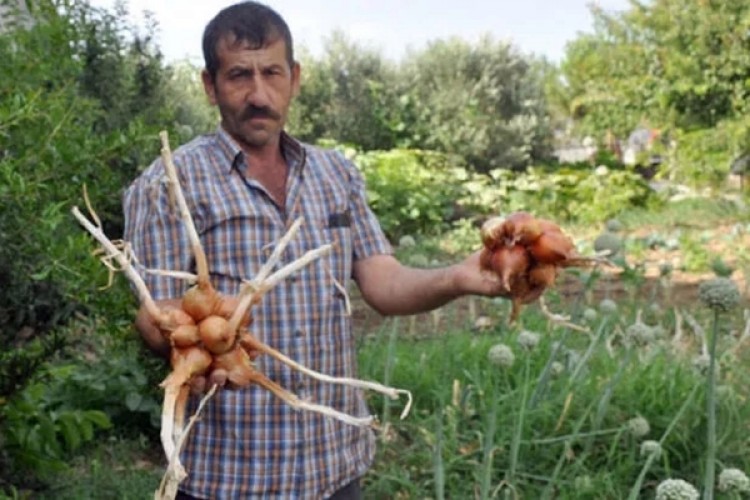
411, 191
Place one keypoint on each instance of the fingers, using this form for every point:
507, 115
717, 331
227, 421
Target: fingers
200, 384
197, 385
218, 377
253, 354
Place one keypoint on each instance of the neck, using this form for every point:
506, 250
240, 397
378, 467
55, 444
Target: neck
266, 164
266, 156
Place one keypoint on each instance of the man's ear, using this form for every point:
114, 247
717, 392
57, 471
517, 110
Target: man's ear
296, 70
209, 87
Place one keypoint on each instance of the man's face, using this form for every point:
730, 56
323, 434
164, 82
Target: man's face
253, 90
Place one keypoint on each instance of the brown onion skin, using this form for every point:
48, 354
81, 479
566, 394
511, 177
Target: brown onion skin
519, 223
184, 336
552, 248
528, 233
248, 343
509, 262
200, 302
216, 334
236, 362
492, 232
547, 226
226, 306
186, 363
543, 275
173, 319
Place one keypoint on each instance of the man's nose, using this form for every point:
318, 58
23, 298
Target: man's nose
257, 93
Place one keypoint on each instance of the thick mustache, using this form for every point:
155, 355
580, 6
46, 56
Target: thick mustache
259, 112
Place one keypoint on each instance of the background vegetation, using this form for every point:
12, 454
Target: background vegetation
445, 137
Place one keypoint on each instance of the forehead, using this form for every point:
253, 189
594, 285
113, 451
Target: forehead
232, 51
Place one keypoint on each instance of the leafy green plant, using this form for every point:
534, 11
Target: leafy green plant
67, 403
576, 195
40, 434
412, 192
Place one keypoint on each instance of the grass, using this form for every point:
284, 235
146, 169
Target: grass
695, 213
585, 424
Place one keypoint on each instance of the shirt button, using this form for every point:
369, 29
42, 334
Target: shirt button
299, 333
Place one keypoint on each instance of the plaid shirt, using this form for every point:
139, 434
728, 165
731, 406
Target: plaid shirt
249, 444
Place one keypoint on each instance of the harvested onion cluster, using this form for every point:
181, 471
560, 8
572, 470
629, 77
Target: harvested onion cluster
205, 336
526, 253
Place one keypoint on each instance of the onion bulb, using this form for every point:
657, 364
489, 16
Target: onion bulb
184, 336
526, 253
509, 262
543, 275
522, 228
552, 248
199, 302
492, 231
216, 334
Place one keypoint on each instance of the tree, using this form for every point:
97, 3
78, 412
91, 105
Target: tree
674, 62
484, 102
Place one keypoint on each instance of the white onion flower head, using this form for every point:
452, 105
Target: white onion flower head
407, 241
608, 242
659, 332
639, 426
613, 225
734, 480
608, 306
676, 489
640, 334
702, 363
501, 355
528, 339
720, 294
725, 392
651, 447
556, 368
590, 315
584, 484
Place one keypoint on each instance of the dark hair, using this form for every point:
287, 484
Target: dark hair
252, 23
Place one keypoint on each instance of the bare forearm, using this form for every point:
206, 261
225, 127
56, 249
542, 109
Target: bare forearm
401, 290
418, 290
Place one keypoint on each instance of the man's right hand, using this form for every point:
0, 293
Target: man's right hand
150, 329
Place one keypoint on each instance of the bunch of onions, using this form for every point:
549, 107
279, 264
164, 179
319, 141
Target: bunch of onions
526, 253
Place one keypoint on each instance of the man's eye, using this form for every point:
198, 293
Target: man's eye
235, 75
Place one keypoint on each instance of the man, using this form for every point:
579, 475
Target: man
245, 185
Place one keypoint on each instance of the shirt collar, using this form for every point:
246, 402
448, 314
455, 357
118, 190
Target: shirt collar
293, 150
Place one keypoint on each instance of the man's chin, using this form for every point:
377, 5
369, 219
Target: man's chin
257, 138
